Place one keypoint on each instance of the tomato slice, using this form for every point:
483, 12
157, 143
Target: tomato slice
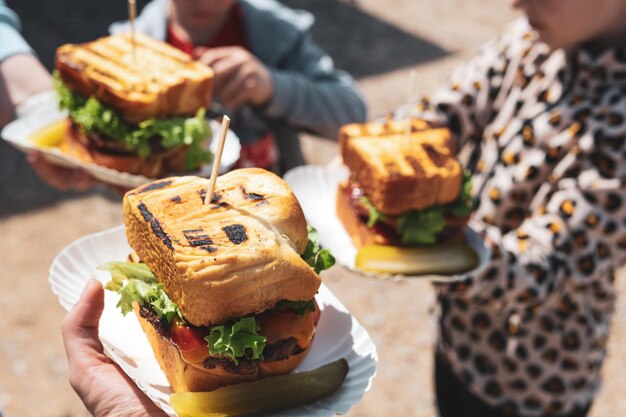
189, 341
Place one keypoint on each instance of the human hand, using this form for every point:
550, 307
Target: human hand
21, 76
240, 78
62, 178
102, 386
66, 179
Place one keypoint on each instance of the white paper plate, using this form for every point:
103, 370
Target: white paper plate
44, 111
338, 333
316, 188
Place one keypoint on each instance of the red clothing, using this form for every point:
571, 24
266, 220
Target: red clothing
263, 152
232, 33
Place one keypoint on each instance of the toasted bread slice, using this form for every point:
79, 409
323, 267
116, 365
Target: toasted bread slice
157, 81
238, 255
400, 171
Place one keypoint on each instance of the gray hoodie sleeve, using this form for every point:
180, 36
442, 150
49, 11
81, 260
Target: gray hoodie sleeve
311, 94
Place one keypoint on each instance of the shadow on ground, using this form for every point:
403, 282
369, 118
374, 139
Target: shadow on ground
358, 42
362, 44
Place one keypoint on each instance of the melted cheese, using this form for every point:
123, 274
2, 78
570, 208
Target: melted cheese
283, 324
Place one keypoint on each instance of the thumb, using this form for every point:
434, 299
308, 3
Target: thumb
80, 326
87, 311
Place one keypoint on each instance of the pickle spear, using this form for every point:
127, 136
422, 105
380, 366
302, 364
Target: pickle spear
264, 395
445, 259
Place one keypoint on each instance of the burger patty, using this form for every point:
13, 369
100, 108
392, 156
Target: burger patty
278, 351
243, 366
160, 324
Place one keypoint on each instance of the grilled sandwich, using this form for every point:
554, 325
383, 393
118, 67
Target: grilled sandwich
154, 82
405, 188
224, 291
136, 109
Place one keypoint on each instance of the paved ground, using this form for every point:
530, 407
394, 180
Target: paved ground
377, 40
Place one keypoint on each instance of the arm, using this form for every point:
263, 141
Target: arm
21, 73
311, 94
576, 231
307, 92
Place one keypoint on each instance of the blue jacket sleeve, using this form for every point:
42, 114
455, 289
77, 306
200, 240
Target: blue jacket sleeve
11, 42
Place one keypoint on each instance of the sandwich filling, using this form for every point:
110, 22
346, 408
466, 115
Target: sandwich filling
413, 227
106, 129
238, 346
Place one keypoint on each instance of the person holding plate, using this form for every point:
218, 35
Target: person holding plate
102, 385
271, 78
22, 76
21, 73
540, 119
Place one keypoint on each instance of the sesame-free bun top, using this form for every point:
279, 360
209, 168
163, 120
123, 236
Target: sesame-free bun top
237, 255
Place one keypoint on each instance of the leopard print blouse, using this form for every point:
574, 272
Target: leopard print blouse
544, 134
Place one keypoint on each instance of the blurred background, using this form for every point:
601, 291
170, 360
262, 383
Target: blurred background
378, 41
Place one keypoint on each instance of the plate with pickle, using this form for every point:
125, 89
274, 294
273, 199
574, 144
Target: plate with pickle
335, 375
374, 248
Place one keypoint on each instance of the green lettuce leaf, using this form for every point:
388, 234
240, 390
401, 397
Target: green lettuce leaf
319, 259
135, 282
129, 270
94, 116
300, 307
420, 227
463, 205
374, 216
236, 340
141, 287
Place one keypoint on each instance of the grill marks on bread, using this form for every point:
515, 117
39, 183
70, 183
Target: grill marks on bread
230, 259
251, 196
155, 225
110, 59
161, 82
154, 186
216, 200
401, 172
236, 233
199, 238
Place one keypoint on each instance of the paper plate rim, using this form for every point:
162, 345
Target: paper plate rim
337, 173
366, 352
44, 111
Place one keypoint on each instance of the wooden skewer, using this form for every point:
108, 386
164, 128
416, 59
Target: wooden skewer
132, 13
410, 105
216, 162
